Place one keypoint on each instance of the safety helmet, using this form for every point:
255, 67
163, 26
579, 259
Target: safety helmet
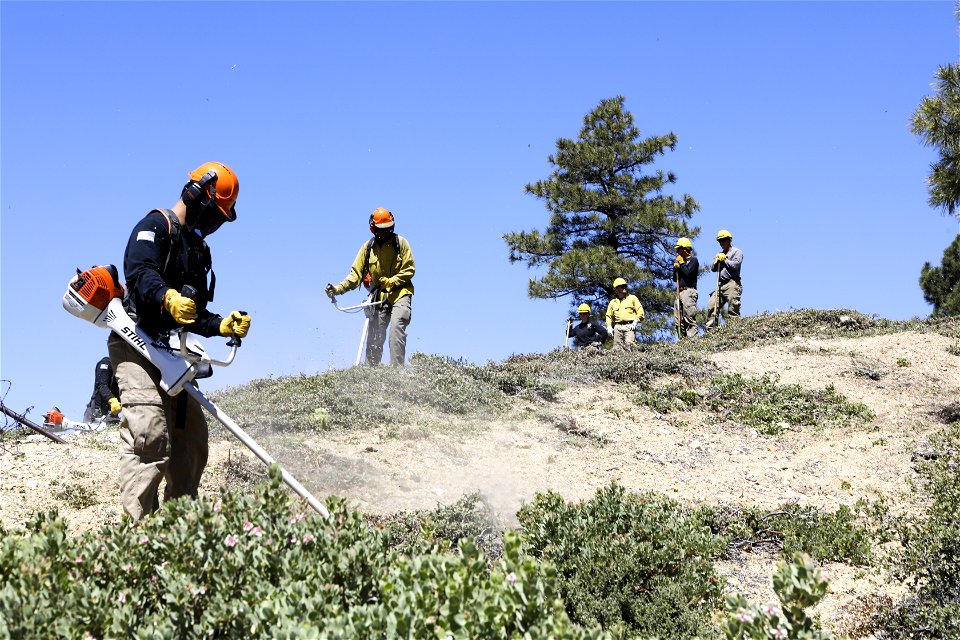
223, 185
584, 308
618, 282
723, 234
684, 243
381, 219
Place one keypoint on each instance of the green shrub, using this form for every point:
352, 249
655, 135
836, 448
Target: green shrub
77, 496
930, 559
799, 585
824, 535
633, 564
767, 406
469, 518
256, 566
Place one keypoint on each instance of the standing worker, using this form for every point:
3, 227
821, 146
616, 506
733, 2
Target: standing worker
588, 333
623, 314
685, 270
104, 403
164, 437
727, 265
384, 265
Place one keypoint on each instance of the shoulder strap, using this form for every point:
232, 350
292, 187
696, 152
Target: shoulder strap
173, 229
366, 260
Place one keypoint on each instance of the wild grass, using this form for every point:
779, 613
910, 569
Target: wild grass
437, 389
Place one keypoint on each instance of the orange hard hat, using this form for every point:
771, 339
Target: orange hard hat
381, 219
227, 186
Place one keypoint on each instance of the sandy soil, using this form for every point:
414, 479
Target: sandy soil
691, 456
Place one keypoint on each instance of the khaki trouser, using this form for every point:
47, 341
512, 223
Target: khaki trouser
623, 335
688, 312
153, 446
730, 295
397, 317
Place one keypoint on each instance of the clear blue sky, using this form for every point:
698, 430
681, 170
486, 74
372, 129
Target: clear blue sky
793, 125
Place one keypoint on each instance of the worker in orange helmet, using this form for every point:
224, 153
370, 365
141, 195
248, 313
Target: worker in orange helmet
164, 437
385, 266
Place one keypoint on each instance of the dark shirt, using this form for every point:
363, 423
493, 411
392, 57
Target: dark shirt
585, 333
161, 255
688, 272
104, 388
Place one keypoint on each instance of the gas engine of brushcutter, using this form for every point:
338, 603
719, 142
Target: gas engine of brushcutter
95, 295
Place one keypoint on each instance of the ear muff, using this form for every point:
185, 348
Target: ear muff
194, 190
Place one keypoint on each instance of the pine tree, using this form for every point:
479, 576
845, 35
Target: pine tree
609, 218
937, 122
941, 285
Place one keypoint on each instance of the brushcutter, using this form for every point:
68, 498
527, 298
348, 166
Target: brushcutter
95, 295
55, 420
30, 424
357, 308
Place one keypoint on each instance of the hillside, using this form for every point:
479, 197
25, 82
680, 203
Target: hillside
814, 408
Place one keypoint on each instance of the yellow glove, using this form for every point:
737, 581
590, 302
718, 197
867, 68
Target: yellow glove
720, 257
182, 308
678, 261
114, 406
235, 324
387, 284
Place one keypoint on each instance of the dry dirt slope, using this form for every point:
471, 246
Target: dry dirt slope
691, 456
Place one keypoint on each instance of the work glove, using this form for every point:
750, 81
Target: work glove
330, 290
182, 308
115, 406
235, 324
679, 261
720, 257
387, 284
610, 329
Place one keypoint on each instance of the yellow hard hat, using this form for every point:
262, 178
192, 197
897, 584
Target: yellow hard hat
618, 282
584, 308
723, 234
683, 242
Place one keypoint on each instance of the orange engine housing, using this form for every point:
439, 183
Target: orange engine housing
98, 285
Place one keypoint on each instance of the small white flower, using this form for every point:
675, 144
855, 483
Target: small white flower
247, 526
511, 577
231, 540
122, 598
743, 615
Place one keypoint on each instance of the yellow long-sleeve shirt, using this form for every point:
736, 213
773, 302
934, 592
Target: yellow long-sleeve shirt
627, 310
384, 263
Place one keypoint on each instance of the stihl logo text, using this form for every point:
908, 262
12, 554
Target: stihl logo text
134, 338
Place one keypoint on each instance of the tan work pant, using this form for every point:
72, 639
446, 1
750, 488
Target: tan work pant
730, 295
688, 312
153, 447
396, 317
623, 335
